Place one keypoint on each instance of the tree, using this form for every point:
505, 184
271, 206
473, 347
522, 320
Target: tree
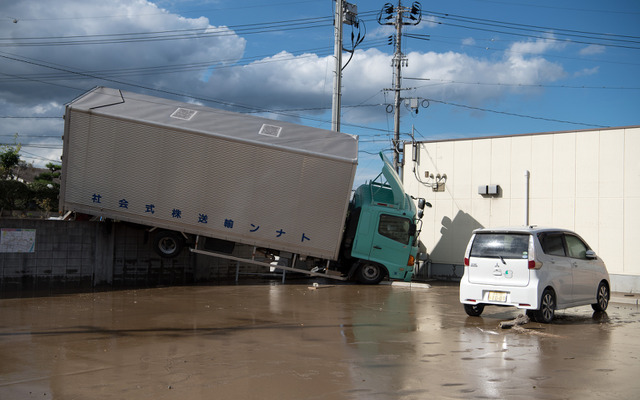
46, 188
41, 194
53, 176
9, 160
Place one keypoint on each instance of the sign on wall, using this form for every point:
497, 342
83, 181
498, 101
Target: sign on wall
17, 240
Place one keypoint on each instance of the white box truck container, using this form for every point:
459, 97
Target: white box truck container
187, 170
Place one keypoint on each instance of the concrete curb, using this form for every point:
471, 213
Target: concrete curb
410, 285
625, 298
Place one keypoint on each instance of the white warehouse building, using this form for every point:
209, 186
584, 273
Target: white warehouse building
587, 181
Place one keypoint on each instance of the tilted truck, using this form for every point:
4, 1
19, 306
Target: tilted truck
209, 179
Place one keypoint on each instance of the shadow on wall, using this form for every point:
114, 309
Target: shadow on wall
447, 256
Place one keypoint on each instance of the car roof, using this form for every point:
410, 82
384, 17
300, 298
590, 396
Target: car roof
531, 229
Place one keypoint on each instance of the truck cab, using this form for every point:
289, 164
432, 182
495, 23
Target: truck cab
381, 229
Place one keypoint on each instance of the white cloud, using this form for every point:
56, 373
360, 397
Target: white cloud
538, 46
587, 72
469, 41
96, 22
592, 49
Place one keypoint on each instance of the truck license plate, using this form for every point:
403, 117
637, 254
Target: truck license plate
498, 296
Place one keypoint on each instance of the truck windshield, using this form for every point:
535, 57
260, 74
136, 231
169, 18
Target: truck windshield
396, 228
500, 245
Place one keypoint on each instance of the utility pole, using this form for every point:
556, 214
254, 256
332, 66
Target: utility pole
337, 79
398, 15
346, 13
398, 61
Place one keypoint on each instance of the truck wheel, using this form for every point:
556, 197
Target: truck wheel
370, 274
168, 244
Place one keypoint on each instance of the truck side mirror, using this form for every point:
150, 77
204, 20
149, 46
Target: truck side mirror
421, 203
420, 214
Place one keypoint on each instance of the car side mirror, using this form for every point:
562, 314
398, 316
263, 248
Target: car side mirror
590, 255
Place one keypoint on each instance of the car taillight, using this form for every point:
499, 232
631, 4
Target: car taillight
534, 264
531, 255
411, 261
466, 261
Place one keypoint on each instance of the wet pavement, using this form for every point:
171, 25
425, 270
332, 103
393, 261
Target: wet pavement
274, 341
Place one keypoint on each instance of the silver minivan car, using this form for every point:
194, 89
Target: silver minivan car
537, 269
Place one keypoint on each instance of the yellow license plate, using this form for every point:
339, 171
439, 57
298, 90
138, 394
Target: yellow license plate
498, 296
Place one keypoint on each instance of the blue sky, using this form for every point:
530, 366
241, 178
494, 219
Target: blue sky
488, 68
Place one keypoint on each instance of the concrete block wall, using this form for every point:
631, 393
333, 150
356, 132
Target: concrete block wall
136, 264
64, 256
76, 255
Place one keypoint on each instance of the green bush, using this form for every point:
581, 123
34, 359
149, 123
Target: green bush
14, 195
18, 196
45, 195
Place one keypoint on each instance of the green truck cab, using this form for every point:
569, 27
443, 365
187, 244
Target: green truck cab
381, 230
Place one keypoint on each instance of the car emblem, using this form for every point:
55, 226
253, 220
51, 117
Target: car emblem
497, 271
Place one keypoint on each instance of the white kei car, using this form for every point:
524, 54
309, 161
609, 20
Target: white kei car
537, 269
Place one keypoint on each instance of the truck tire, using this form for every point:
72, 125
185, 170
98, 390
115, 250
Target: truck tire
168, 244
370, 274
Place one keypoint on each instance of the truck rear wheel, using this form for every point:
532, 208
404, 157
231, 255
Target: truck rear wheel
370, 274
168, 244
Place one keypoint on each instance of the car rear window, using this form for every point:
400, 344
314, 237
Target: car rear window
496, 245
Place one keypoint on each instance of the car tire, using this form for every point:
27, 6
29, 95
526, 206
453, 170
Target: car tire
473, 310
370, 274
168, 244
602, 297
546, 312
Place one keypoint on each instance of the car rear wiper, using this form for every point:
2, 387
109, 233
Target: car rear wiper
502, 259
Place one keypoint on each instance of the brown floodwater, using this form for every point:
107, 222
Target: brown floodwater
275, 341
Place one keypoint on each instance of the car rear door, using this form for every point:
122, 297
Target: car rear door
499, 259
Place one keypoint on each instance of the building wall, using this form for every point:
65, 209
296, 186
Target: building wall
586, 181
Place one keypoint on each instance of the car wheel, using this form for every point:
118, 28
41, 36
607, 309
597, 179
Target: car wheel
168, 244
545, 313
602, 297
473, 310
370, 274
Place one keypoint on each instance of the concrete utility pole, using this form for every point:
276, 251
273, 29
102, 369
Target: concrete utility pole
337, 79
398, 60
398, 14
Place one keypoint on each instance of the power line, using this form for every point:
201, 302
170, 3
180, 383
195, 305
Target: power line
522, 84
515, 114
548, 34
177, 34
600, 11
538, 28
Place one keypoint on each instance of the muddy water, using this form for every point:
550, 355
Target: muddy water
291, 342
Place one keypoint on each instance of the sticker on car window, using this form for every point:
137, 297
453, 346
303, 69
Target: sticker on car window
525, 254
